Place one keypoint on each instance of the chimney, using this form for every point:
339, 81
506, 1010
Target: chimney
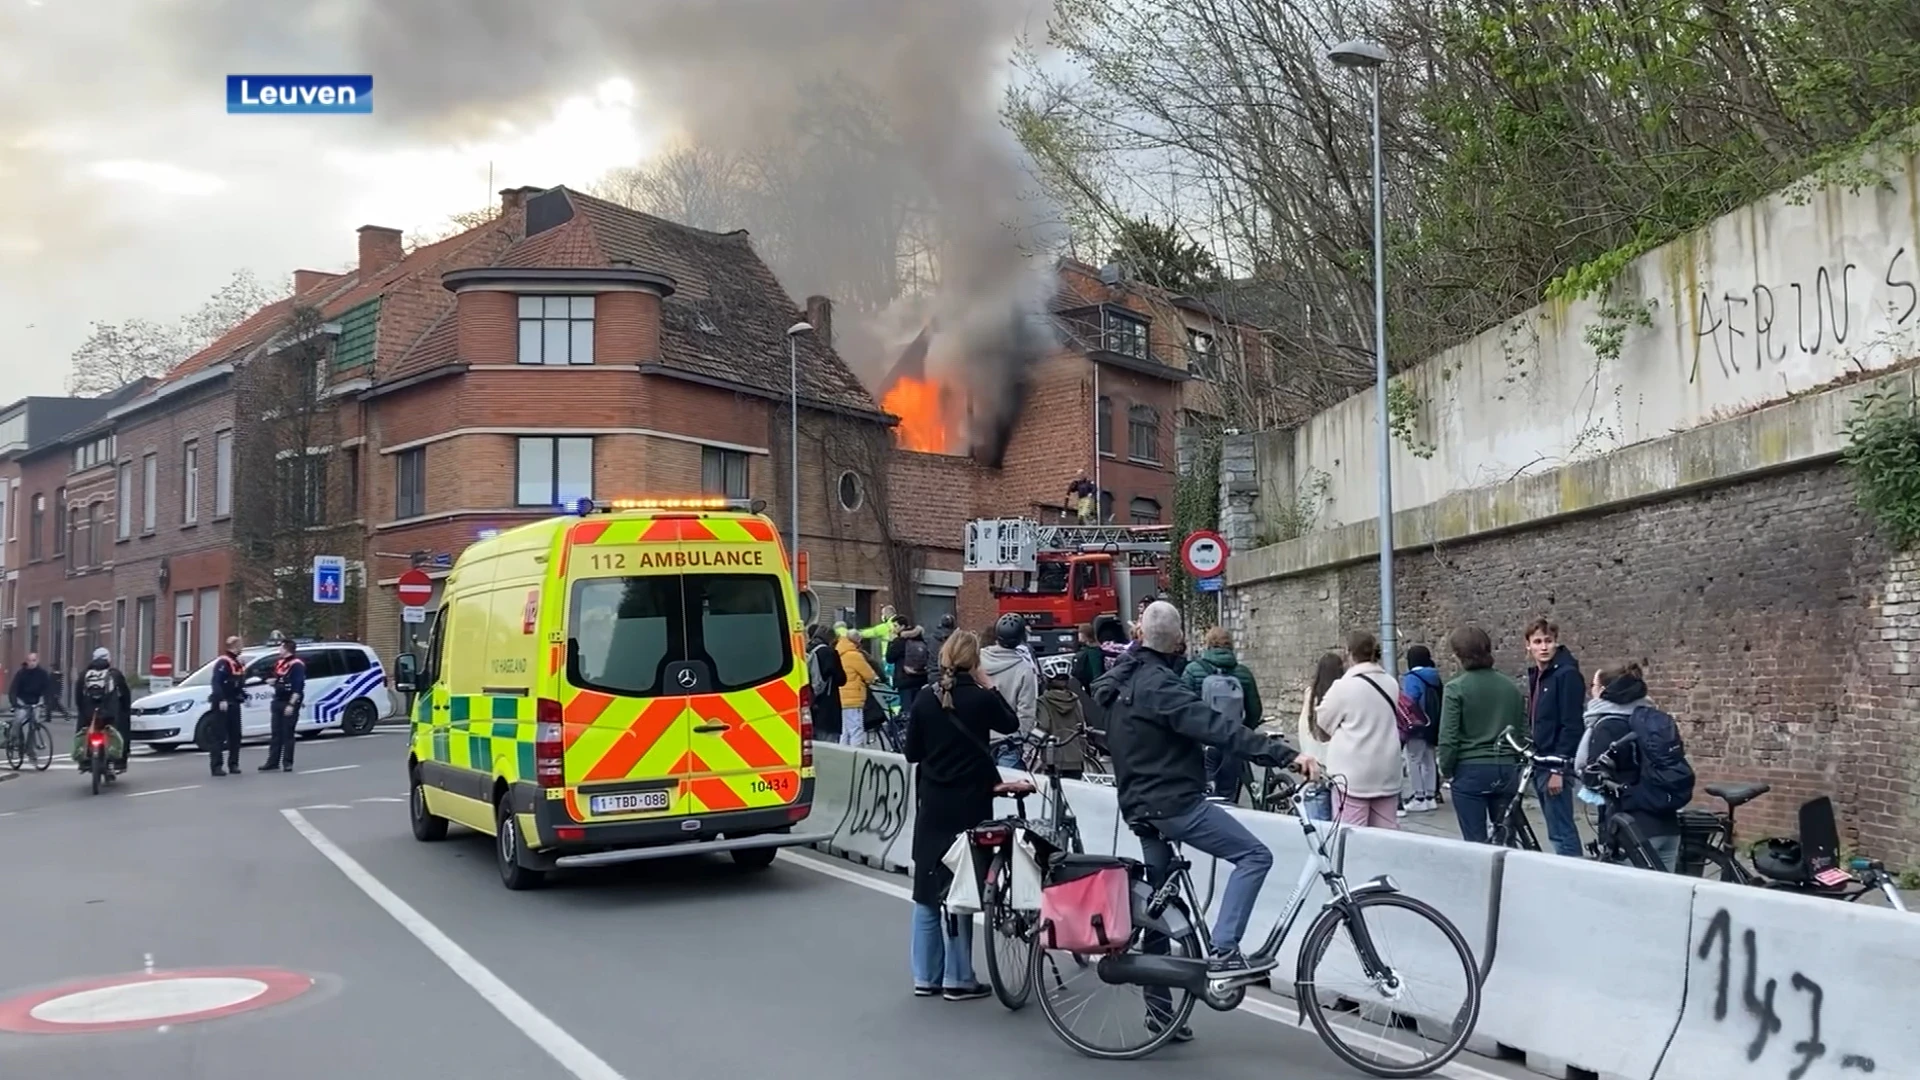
304, 280
379, 248
820, 314
515, 198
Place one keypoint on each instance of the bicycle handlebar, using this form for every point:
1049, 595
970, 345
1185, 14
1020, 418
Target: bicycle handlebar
1537, 759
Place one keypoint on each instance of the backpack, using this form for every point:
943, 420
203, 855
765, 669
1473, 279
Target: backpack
817, 675
1415, 717
1666, 779
914, 656
1224, 695
95, 688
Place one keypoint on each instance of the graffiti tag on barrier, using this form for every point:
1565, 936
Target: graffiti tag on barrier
879, 800
1758, 1001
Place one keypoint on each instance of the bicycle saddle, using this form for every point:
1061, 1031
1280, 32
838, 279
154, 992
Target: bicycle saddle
1015, 787
1736, 794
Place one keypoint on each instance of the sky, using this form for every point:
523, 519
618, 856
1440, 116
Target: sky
127, 191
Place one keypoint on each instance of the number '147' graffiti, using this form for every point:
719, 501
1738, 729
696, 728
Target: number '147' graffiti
1758, 1000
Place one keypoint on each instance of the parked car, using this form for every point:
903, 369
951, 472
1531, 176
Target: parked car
346, 691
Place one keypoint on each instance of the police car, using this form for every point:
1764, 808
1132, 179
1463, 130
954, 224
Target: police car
346, 691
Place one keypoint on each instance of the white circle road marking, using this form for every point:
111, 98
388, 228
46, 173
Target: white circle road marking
159, 999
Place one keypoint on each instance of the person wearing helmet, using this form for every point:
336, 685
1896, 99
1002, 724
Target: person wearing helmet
1015, 677
102, 691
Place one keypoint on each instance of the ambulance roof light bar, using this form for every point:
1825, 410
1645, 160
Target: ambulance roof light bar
586, 506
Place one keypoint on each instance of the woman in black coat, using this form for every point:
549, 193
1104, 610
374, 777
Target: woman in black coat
948, 729
824, 670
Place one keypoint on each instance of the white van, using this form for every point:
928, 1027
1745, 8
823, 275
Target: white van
346, 691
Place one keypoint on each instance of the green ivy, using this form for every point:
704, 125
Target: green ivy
1403, 418
1196, 506
1608, 334
1883, 454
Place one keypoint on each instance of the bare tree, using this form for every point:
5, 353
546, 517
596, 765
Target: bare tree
293, 487
116, 354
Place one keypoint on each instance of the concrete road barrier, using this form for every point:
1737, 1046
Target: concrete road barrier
1785, 985
1284, 838
872, 792
1590, 965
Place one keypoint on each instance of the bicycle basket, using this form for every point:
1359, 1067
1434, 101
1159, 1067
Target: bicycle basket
1781, 859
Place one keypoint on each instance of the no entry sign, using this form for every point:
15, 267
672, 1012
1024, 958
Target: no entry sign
415, 588
1204, 553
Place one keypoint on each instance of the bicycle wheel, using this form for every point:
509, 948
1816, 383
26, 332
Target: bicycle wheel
40, 747
1009, 937
99, 762
16, 749
1070, 984
1401, 1033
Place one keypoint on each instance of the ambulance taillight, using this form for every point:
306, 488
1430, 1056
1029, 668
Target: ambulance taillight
806, 726
549, 745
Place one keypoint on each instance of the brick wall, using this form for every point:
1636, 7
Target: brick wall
1781, 640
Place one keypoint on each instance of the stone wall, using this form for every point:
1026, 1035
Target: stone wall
1764, 612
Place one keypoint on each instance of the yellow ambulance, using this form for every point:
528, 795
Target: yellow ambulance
625, 682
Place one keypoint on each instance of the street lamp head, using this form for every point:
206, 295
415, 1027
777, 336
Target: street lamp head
799, 328
1359, 53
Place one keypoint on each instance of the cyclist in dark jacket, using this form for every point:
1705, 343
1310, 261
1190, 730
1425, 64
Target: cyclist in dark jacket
289, 691
113, 702
1157, 729
229, 696
29, 685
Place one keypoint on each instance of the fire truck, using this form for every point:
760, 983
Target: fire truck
1058, 577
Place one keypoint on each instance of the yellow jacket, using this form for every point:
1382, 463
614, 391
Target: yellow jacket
860, 674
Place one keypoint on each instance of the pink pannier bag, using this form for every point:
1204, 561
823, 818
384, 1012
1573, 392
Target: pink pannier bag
1087, 904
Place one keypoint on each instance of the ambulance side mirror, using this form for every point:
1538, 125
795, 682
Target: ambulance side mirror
406, 672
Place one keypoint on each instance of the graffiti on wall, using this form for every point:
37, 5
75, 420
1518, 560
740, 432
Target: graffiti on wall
1747, 330
1760, 1005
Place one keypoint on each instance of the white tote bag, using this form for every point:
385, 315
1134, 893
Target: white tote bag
1025, 894
963, 896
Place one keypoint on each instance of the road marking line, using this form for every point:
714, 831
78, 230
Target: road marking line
570, 1053
324, 806
149, 963
330, 768
1265, 1010
160, 791
382, 798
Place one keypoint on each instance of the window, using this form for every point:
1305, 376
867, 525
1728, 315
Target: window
90, 534
90, 636
1126, 336
322, 663
1144, 512
555, 472
33, 628
223, 474
1103, 424
149, 491
120, 635
1143, 433
352, 482
143, 632
93, 453
13, 512
123, 501
849, 491
1200, 355
410, 482
354, 661
626, 634
303, 490
209, 624
723, 472
60, 525
183, 631
190, 485
556, 330
56, 627
35, 520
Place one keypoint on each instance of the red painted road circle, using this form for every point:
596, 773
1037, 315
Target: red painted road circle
141, 1000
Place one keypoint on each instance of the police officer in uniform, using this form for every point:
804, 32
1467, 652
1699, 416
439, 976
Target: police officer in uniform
289, 689
228, 697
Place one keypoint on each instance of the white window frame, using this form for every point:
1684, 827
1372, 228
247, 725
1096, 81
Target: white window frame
123, 501
190, 482
149, 491
554, 331
558, 491
222, 474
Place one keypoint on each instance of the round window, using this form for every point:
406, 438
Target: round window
808, 605
850, 494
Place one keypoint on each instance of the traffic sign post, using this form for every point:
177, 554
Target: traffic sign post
413, 614
329, 579
159, 672
415, 589
1210, 584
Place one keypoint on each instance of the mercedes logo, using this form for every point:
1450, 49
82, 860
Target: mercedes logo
687, 678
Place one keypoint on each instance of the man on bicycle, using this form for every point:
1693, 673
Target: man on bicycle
101, 692
1157, 729
28, 688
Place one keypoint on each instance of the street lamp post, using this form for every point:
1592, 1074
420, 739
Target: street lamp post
1370, 56
793, 447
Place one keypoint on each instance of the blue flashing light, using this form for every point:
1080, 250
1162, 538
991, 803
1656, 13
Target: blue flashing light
583, 506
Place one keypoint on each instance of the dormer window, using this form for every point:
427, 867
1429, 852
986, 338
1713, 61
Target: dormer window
1126, 336
556, 331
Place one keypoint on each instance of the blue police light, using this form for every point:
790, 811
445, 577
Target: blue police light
583, 506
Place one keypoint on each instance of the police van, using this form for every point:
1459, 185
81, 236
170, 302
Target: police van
624, 682
346, 691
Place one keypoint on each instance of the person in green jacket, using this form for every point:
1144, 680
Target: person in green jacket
1479, 708
1217, 658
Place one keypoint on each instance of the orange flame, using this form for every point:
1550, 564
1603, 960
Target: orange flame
922, 406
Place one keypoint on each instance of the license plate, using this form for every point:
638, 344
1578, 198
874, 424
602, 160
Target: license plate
631, 802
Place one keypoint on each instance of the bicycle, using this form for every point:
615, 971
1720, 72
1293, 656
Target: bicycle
1709, 849
1165, 955
1010, 930
29, 741
1512, 829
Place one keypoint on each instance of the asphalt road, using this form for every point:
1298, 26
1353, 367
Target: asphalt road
424, 966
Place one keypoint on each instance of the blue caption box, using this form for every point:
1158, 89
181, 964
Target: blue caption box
299, 93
